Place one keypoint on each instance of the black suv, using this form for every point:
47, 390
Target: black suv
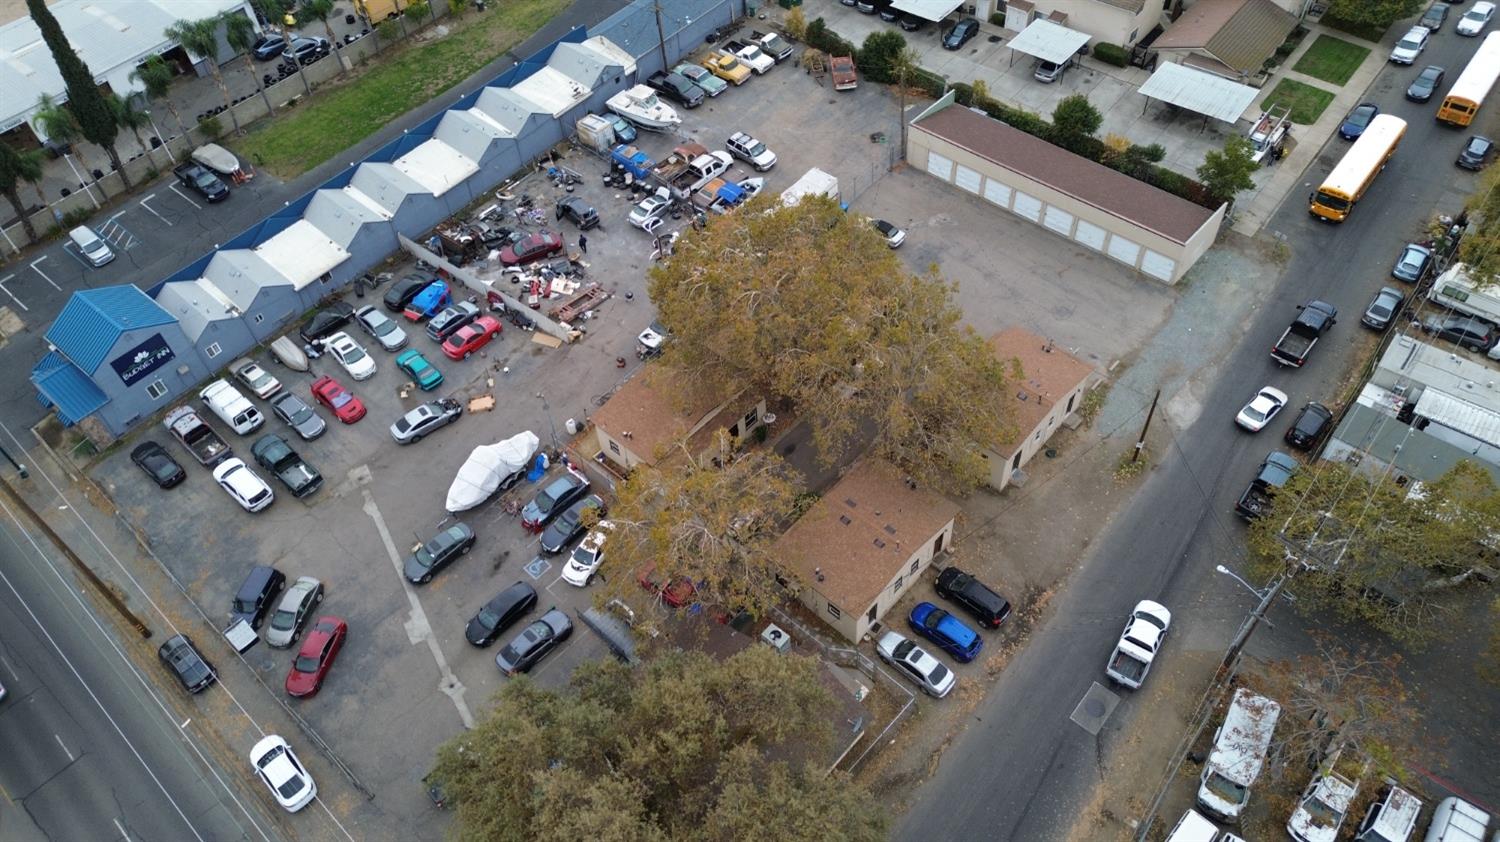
1309, 427
183, 658
676, 87
253, 600
578, 212
400, 293
960, 34
974, 596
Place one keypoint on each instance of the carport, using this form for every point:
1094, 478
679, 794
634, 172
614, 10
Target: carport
933, 10
1048, 41
1198, 92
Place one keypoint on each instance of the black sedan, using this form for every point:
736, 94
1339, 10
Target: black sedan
1312, 422
911, 23
569, 525
553, 500
185, 662
1413, 264
500, 613
267, 47
158, 464
1354, 125
534, 642
438, 553
1476, 153
326, 321
400, 293
1382, 309
960, 34
1426, 83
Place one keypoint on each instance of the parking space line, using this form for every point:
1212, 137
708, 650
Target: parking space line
116, 234
71, 758
121, 828
152, 210
12, 295
418, 629
44, 274
183, 196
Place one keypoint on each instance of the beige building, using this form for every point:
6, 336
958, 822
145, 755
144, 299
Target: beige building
1229, 38
1119, 22
1127, 220
860, 547
1051, 384
653, 410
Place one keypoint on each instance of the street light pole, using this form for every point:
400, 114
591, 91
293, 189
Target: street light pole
1247, 628
550, 423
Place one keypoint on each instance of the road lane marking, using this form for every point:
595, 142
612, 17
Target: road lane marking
418, 629
5, 290
71, 758
152, 210
183, 196
121, 828
44, 274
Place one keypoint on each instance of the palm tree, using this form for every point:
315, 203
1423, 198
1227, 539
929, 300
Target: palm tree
276, 12
240, 33
201, 38
322, 10
457, 7
16, 167
156, 76
128, 115
59, 124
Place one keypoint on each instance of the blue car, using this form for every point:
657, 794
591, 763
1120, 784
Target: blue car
429, 302
419, 369
1354, 125
946, 630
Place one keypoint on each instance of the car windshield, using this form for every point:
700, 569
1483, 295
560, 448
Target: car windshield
283, 620
1379, 310
340, 399
352, 354
1328, 200
162, 468
488, 617
1411, 259
1225, 788
1254, 413
306, 663
545, 499
1361, 117
1320, 814
1150, 618
380, 325
1408, 43
1476, 15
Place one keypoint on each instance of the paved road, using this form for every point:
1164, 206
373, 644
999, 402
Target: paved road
91, 752
1022, 770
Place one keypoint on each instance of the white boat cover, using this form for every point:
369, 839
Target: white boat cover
217, 158
487, 466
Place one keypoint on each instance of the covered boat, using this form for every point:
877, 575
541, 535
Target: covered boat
641, 106
490, 467
221, 161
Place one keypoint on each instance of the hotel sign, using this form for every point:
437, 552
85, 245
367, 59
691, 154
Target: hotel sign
142, 359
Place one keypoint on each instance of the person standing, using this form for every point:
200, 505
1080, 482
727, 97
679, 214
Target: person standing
583, 244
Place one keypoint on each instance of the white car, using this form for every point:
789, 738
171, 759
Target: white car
894, 236
651, 207
247, 489
1261, 409
587, 556
351, 355
1411, 45
390, 335
1476, 18
753, 57
912, 661
279, 767
255, 378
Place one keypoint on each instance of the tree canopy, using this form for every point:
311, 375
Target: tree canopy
1074, 120
1227, 172
682, 747
1373, 13
807, 304
96, 119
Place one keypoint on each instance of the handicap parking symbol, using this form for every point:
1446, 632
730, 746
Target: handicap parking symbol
538, 567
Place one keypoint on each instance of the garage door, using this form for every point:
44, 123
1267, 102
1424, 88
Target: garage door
939, 166
967, 179
1027, 206
1158, 265
1123, 250
997, 193
1058, 220
1090, 235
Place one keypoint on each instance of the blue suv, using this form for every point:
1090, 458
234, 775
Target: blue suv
946, 630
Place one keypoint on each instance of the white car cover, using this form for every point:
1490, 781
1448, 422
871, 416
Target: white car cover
486, 467
216, 158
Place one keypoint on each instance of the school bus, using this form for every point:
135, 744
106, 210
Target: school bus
1473, 85
1356, 172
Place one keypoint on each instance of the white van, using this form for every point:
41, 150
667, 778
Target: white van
1193, 828
1456, 820
233, 408
91, 247
1392, 816
1239, 750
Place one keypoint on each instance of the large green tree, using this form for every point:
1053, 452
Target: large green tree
1480, 247
16, 167
96, 119
1074, 121
155, 75
808, 304
322, 10
201, 38
128, 115
1227, 172
683, 747
60, 124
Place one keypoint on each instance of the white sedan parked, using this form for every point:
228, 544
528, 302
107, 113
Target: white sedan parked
241, 483
1476, 18
1261, 409
351, 355
912, 661
278, 766
587, 556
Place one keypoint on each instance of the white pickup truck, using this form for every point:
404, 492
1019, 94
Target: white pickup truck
1139, 643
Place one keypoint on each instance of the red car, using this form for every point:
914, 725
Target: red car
471, 337
322, 644
344, 404
677, 593
531, 248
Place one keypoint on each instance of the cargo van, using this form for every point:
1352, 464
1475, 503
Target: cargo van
1392, 816
1192, 827
1456, 820
1239, 751
1455, 290
91, 247
233, 408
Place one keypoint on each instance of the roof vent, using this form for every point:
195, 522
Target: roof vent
890, 529
849, 501
879, 543
844, 519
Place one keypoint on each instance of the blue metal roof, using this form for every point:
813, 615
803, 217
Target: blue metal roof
65, 386
94, 319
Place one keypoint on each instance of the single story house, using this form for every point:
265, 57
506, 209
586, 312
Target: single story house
655, 409
1049, 385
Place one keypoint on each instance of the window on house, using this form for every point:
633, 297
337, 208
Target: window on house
1133, 33
915, 565
156, 390
833, 611
874, 613
1071, 398
260, 317
896, 588
937, 546
750, 418
213, 350
614, 448
1015, 464
325, 278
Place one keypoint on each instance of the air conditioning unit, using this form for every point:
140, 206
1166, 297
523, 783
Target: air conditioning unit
774, 637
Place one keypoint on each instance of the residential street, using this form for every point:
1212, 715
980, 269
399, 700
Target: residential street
1022, 769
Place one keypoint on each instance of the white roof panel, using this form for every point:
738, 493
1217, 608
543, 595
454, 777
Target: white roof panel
933, 10
551, 90
302, 253
611, 52
507, 109
1049, 41
436, 166
1460, 415
1199, 92
469, 132
360, 196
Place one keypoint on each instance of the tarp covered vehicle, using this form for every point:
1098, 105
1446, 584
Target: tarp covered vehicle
488, 468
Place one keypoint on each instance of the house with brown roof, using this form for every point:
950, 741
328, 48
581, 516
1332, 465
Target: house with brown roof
1119, 22
654, 409
1155, 232
1049, 383
1229, 38
863, 544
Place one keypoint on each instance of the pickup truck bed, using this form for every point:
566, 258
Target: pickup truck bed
200, 439
1127, 669
1297, 341
1273, 474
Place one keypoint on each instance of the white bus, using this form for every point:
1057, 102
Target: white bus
1473, 85
1356, 172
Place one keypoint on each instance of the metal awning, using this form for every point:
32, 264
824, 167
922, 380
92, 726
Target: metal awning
1049, 41
933, 10
1199, 92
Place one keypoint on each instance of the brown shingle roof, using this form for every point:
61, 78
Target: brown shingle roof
1047, 373
862, 532
655, 408
1239, 33
1113, 192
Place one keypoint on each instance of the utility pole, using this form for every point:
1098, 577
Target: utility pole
1247, 628
661, 38
1140, 443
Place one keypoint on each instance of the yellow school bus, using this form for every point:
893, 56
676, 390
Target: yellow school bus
1473, 85
1356, 172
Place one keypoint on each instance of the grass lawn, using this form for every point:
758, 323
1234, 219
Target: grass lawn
1331, 59
379, 91
1306, 101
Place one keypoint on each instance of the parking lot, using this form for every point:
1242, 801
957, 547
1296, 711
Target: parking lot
406, 679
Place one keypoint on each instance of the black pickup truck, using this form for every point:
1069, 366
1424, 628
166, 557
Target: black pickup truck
1296, 343
1273, 474
676, 87
199, 179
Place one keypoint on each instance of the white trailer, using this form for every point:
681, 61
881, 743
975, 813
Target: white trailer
814, 182
1455, 290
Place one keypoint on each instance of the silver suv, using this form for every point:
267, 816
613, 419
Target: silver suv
751, 151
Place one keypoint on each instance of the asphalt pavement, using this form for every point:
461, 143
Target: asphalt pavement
1022, 769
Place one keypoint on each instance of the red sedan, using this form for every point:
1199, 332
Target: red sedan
676, 593
341, 401
322, 644
471, 337
531, 248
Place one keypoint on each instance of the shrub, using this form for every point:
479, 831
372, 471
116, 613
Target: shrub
211, 128
997, 18
1112, 54
879, 53
963, 94
76, 217
928, 82
796, 24
819, 38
